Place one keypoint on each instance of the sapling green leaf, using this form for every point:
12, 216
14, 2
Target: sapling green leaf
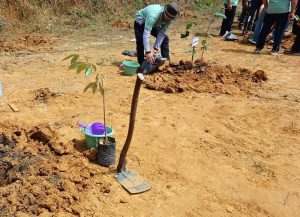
90, 85
74, 59
94, 67
70, 56
88, 71
81, 67
186, 34
75, 65
188, 26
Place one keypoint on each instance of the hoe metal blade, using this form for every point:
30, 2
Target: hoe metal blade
132, 182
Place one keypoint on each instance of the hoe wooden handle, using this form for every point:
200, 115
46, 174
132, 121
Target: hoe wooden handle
135, 97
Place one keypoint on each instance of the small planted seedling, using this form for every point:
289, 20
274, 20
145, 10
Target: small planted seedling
88, 68
107, 147
204, 44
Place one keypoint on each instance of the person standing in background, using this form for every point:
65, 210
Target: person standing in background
278, 12
230, 9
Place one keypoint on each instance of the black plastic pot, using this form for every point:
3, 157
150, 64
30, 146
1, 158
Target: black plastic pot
107, 152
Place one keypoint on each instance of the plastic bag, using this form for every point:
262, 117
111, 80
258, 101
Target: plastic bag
148, 68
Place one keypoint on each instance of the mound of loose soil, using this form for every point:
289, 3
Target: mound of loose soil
39, 174
43, 94
204, 77
27, 43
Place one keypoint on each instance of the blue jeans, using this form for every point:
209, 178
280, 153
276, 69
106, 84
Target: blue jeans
258, 26
280, 21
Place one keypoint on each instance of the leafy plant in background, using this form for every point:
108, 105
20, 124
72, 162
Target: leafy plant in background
186, 34
88, 68
204, 45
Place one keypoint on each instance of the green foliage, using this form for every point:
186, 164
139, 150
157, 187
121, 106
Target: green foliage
204, 45
187, 32
88, 68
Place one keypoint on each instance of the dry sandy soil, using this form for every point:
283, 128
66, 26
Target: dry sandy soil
220, 143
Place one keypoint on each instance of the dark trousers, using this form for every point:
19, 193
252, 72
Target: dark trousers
243, 16
254, 8
139, 32
280, 21
227, 23
296, 45
296, 29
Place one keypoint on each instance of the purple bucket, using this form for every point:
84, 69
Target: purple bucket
97, 128
94, 128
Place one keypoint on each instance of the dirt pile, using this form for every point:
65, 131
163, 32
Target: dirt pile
204, 77
121, 25
27, 43
40, 174
43, 94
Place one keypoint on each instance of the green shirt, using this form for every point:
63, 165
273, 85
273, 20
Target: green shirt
279, 6
152, 16
233, 2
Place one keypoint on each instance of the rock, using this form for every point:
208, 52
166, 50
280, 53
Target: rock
123, 201
14, 107
57, 147
170, 90
259, 75
52, 203
90, 154
68, 186
13, 198
77, 210
61, 148
230, 209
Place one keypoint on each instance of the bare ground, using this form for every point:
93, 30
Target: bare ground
206, 153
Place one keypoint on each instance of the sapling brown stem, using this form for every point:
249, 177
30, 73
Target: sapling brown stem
206, 35
104, 119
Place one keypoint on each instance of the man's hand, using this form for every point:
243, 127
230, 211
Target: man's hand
229, 7
228, 4
291, 16
265, 4
150, 58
